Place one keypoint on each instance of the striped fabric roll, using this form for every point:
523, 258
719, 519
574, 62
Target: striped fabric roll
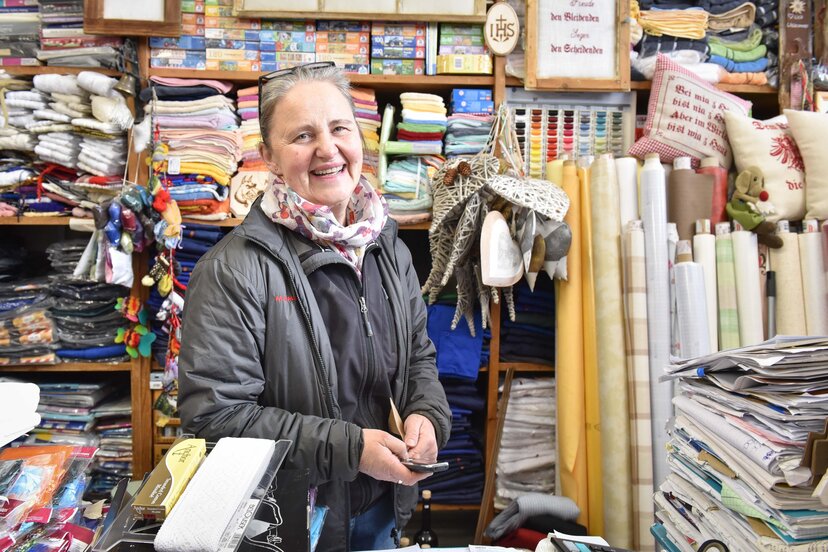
726, 280
638, 377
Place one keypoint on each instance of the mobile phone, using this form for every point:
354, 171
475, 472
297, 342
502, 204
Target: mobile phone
425, 468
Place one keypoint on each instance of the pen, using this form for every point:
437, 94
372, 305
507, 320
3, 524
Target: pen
770, 291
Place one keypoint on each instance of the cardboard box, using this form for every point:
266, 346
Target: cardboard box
347, 26
183, 42
471, 94
398, 53
232, 65
169, 478
473, 106
468, 65
397, 67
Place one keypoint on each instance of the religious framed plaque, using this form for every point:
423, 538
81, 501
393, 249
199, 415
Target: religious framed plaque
468, 11
577, 45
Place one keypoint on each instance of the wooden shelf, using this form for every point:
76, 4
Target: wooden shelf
435, 507
645, 85
71, 367
34, 221
526, 367
411, 82
30, 70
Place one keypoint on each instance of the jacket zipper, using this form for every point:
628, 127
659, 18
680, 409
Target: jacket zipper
369, 333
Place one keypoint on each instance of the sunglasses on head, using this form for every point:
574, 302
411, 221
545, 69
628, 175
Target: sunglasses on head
264, 79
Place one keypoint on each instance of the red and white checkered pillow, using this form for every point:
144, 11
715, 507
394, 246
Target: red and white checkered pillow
685, 116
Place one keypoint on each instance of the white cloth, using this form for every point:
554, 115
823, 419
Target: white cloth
64, 84
226, 478
96, 83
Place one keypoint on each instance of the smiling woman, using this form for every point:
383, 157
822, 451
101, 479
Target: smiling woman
306, 322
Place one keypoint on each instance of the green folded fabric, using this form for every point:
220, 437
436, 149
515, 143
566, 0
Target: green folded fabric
417, 127
738, 55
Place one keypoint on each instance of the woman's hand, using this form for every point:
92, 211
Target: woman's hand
381, 455
420, 439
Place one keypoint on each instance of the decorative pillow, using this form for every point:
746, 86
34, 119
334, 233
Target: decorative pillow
809, 130
770, 146
684, 117
245, 187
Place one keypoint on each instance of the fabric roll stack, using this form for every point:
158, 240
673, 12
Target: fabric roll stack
526, 462
458, 364
530, 337
467, 134
407, 187
251, 133
369, 121
87, 322
199, 125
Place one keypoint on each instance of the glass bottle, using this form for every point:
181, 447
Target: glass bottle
426, 537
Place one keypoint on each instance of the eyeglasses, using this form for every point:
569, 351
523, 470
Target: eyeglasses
264, 79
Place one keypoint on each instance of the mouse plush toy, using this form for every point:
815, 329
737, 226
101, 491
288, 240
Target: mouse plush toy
750, 204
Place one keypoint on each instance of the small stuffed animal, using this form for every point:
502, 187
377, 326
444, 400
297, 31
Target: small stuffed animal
749, 206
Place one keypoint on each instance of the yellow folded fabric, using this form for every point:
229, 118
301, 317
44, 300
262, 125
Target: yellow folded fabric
681, 23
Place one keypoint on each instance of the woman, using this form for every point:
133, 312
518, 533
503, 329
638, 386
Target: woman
306, 322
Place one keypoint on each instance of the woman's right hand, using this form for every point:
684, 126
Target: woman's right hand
381, 456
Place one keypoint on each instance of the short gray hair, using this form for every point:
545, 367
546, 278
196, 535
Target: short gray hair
275, 90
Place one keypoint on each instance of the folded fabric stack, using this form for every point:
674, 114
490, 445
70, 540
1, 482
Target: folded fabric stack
526, 461
369, 121
719, 40
253, 174
458, 365
20, 108
423, 119
63, 42
27, 332
84, 125
199, 126
113, 462
14, 172
65, 255
87, 322
467, 134
407, 187
531, 336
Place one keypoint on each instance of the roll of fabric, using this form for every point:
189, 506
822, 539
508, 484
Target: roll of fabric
225, 479
748, 296
569, 373
689, 197
592, 408
813, 279
609, 329
790, 300
726, 288
691, 304
627, 170
710, 165
554, 171
704, 253
654, 217
638, 377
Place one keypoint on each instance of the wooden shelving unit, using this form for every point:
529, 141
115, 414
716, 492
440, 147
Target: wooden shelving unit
71, 367
30, 70
745, 89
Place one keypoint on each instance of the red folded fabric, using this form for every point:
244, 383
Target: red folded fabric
415, 136
521, 538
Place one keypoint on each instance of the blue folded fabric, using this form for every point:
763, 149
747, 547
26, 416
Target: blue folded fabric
755, 66
93, 353
458, 352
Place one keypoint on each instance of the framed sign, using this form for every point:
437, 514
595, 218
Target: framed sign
131, 18
577, 45
468, 11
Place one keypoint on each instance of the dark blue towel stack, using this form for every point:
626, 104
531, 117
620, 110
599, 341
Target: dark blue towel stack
458, 363
531, 337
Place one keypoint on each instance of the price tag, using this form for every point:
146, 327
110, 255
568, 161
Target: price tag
174, 165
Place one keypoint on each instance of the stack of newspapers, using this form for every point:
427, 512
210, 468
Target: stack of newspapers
747, 450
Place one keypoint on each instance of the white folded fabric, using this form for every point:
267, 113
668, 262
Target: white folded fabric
28, 104
19, 142
226, 478
49, 153
112, 111
96, 83
71, 98
38, 127
63, 84
64, 108
52, 115
31, 95
95, 124
22, 121
11, 178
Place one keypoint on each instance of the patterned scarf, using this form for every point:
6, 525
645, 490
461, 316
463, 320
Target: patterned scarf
366, 216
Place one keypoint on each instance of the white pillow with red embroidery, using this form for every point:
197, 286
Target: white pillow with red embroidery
770, 145
684, 117
810, 131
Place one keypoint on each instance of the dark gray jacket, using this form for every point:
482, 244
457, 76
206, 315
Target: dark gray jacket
256, 361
